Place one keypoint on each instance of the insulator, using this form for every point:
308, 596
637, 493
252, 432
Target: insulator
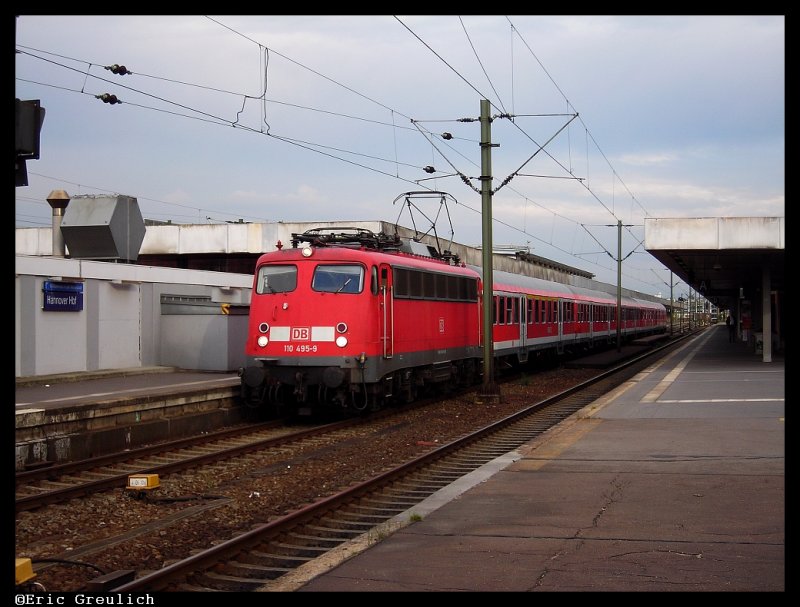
429, 169
118, 69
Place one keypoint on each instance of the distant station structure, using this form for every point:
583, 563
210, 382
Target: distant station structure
235, 247
737, 263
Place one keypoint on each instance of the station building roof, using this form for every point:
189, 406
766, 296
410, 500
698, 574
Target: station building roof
722, 258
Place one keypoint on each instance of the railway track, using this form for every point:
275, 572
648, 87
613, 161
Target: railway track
271, 554
62, 482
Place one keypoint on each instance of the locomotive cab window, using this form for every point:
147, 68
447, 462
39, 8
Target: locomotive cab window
276, 279
338, 278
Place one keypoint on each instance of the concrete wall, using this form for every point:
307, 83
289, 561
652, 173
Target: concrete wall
715, 233
201, 337
121, 323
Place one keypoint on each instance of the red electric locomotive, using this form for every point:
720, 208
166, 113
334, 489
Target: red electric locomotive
356, 319
353, 319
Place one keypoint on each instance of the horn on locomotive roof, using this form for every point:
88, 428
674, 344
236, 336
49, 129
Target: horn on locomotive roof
322, 237
360, 237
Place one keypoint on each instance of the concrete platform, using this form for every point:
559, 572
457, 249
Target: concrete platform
78, 415
674, 482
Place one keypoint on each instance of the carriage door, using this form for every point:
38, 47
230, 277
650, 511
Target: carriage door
522, 303
385, 292
560, 322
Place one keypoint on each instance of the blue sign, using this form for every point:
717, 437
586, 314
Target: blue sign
62, 296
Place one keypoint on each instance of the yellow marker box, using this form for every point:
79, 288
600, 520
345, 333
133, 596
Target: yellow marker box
23, 571
143, 482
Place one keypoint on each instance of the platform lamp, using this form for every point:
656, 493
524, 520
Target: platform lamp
58, 200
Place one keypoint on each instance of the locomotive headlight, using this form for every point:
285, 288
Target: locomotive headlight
341, 341
307, 251
262, 341
263, 327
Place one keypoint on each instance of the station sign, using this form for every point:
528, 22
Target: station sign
62, 296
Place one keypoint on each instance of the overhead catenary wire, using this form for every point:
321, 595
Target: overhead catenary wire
499, 100
286, 139
220, 121
539, 147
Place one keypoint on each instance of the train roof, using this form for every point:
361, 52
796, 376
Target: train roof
519, 282
366, 239
378, 247
335, 242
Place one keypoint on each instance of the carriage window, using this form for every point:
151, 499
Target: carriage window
415, 284
276, 279
411, 283
338, 279
428, 285
400, 282
447, 287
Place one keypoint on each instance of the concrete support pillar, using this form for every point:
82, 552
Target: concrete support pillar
766, 314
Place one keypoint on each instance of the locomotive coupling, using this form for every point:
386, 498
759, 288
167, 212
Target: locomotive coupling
333, 377
253, 377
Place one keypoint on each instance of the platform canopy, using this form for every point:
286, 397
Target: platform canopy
722, 258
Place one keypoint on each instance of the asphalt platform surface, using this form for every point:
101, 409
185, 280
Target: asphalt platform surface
674, 482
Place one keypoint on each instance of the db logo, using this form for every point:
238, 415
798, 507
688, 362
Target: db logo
301, 333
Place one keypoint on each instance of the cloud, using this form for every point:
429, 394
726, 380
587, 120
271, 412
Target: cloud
647, 159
